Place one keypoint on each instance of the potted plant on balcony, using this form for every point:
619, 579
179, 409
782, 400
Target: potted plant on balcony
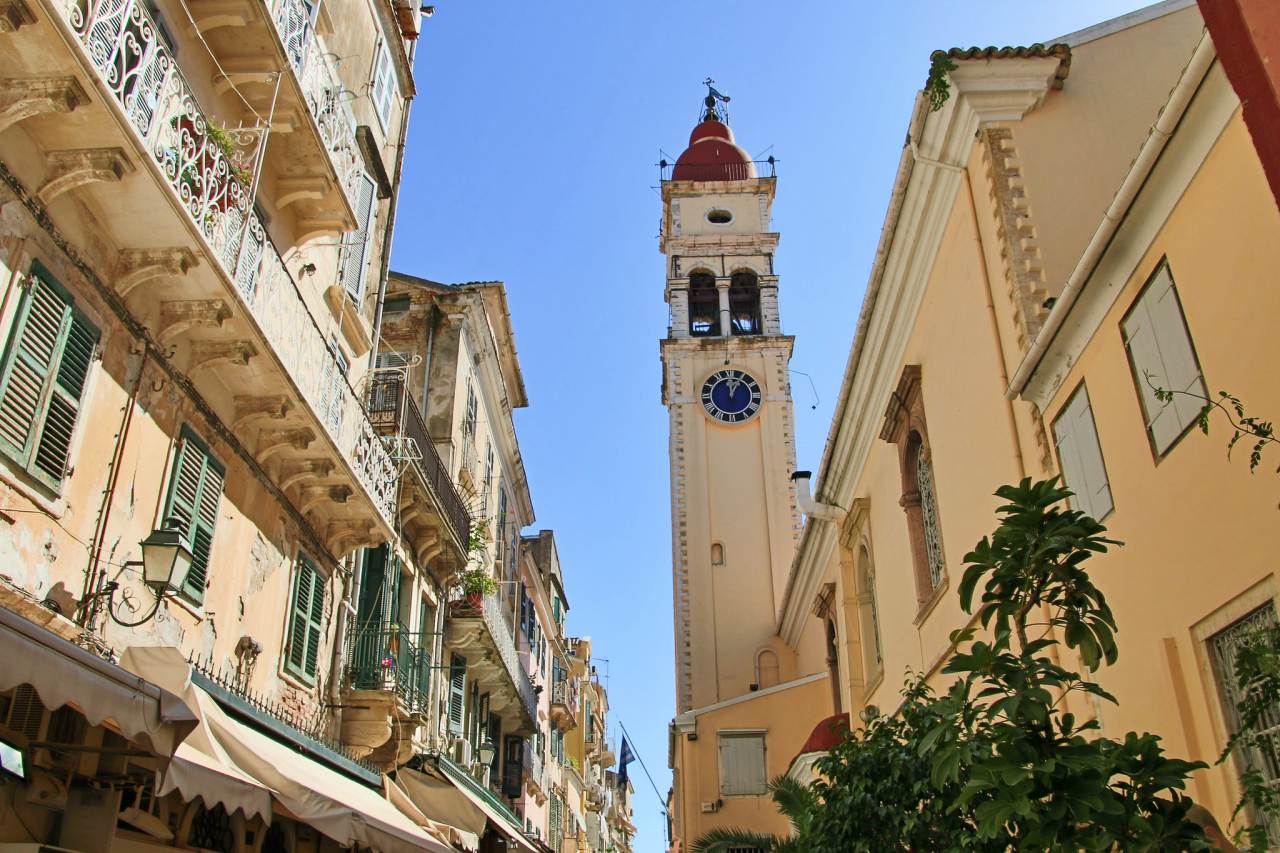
474, 585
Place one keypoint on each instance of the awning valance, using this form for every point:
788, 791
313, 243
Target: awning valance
62, 673
340, 807
480, 799
420, 802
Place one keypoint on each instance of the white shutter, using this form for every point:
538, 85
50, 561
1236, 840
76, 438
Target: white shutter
383, 85
1155, 332
355, 254
1076, 435
742, 768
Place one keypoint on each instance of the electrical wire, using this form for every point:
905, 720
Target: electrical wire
75, 538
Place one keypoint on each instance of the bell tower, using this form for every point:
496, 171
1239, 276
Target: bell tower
727, 390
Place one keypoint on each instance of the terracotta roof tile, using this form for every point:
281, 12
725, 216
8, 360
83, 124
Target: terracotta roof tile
1034, 51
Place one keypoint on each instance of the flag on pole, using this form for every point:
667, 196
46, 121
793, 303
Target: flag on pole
625, 757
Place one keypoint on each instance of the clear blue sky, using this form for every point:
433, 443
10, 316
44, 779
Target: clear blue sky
531, 160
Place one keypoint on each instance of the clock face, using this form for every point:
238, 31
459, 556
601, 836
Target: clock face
731, 396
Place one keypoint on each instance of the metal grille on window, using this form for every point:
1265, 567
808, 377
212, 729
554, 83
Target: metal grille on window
929, 515
1223, 647
875, 612
211, 830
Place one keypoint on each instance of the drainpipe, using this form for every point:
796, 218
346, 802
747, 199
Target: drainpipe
426, 361
385, 266
809, 506
92, 575
1143, 165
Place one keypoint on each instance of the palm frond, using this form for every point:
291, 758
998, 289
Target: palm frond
724, 840
794, 799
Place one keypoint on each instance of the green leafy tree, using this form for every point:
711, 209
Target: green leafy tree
795, 800
995, 763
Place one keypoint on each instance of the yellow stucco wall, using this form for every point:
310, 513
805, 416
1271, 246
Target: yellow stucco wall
784, 715
1199, 530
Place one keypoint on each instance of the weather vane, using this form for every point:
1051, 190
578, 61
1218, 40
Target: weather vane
714, 101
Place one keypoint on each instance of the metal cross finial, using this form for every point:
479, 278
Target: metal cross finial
713, 102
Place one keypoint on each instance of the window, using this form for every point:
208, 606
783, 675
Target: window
870, 613
742, 765
1223, 647
46, 368
331, 398
305, 616
457, 692
928, 512
195, 489
704, 305
357, 245
904, 425
382, 89
1161, 354
717, 554
469, 418
744, 303
1080, 455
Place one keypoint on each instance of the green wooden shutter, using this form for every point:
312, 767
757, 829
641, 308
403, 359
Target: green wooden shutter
305, 619
45, 370
457, 692
195, 489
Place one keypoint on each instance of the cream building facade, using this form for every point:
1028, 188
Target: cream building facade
1053, 239
204, 355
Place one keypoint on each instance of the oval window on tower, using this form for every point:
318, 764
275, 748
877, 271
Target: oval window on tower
717, 216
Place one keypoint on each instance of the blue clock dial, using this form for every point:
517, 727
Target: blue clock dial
731, 396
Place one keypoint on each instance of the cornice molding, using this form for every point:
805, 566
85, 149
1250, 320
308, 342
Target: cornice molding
937, 153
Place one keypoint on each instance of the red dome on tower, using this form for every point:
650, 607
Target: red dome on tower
712, 155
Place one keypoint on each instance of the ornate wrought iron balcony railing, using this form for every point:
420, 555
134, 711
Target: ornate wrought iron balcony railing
393, 412
206, 174
490, 610
386, 658
320, 86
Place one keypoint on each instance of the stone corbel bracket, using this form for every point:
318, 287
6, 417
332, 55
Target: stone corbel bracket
21, 98
135, 267
179, 317
69, 170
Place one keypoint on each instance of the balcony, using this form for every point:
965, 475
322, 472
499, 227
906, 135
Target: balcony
535, 776
564, 704
431, 512
594, 796
607, 756
386, 691
196, 268
258, 44
477, 629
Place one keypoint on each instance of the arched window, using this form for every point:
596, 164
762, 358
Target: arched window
870, 620
717, 554
704, 305
833, 664
766, 668
928, 508
744, 303
904, 426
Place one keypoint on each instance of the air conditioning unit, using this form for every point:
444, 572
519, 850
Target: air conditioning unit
460, 752
709, 806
